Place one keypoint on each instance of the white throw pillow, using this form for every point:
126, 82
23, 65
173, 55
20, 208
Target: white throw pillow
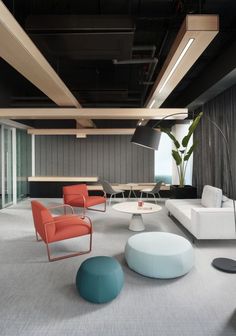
227, 202
211, 197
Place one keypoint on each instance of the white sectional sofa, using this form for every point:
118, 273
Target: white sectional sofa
211, 217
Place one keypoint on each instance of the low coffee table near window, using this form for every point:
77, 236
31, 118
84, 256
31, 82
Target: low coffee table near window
136, 222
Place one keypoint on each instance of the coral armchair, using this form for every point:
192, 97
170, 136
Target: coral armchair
77, 196
56, 228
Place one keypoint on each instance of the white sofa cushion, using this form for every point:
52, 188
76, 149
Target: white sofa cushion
202, 222
181, 210
227, 202
211, 197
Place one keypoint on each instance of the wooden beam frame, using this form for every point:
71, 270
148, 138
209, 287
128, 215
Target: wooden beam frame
194, 36
90, 113
20, 52
81, 133
17, 49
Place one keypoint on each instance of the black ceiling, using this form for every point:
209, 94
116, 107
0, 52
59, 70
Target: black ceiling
84, 41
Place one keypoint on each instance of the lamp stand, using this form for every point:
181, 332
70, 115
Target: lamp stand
226, 264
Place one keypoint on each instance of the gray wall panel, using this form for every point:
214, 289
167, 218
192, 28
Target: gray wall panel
110, 157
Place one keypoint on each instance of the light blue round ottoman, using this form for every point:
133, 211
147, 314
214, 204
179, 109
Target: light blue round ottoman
159, 255
99, 279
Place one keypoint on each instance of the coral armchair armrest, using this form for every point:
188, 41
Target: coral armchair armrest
64, 206
54, 229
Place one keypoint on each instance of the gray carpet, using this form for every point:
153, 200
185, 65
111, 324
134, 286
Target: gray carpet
39, 298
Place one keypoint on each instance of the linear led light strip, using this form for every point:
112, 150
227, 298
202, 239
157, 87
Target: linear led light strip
174, 67
153, 102
177, 62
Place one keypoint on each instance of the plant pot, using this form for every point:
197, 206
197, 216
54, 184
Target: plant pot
187, 191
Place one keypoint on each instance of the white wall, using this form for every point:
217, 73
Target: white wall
179, 131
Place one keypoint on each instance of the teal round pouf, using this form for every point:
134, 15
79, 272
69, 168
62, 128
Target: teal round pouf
99, 279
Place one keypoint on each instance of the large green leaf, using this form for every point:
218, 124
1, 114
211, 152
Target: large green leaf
168, 132
190, 152
191, 130
176, 157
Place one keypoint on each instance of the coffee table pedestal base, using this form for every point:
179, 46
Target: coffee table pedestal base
136, 223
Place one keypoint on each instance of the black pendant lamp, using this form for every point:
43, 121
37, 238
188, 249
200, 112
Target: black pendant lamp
147, 137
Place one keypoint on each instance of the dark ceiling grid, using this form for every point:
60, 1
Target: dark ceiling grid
101, 82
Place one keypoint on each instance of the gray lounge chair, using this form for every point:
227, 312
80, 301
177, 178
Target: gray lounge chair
153, 191
107, 187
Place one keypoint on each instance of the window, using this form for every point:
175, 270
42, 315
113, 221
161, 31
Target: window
165, 167
163, 160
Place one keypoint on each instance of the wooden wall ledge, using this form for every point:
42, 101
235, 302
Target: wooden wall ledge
90, 179
63, 178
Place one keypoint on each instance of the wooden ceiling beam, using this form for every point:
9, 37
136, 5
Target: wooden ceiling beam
83, 123
82, 132
17, 49
194, 36
91, 113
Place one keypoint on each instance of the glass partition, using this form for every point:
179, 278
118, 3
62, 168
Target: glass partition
15, 164
6, 166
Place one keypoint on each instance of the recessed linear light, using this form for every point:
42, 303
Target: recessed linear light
153, 102
177, 63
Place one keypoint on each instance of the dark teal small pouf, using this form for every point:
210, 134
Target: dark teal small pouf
99, 279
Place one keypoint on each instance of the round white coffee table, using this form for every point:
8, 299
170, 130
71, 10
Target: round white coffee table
136, 222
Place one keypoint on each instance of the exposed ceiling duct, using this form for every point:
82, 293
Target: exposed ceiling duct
87, 37
30, 62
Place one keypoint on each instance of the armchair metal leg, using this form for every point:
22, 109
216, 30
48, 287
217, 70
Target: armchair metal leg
141, 195
104, 210
37, 236
83, 213
68, 255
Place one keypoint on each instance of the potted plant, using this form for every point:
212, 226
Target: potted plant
181, 154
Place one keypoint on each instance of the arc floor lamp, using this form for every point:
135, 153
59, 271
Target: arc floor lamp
149, 137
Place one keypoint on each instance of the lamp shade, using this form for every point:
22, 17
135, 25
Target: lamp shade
147, 137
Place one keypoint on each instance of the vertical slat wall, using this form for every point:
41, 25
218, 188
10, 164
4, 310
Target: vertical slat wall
110, 157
